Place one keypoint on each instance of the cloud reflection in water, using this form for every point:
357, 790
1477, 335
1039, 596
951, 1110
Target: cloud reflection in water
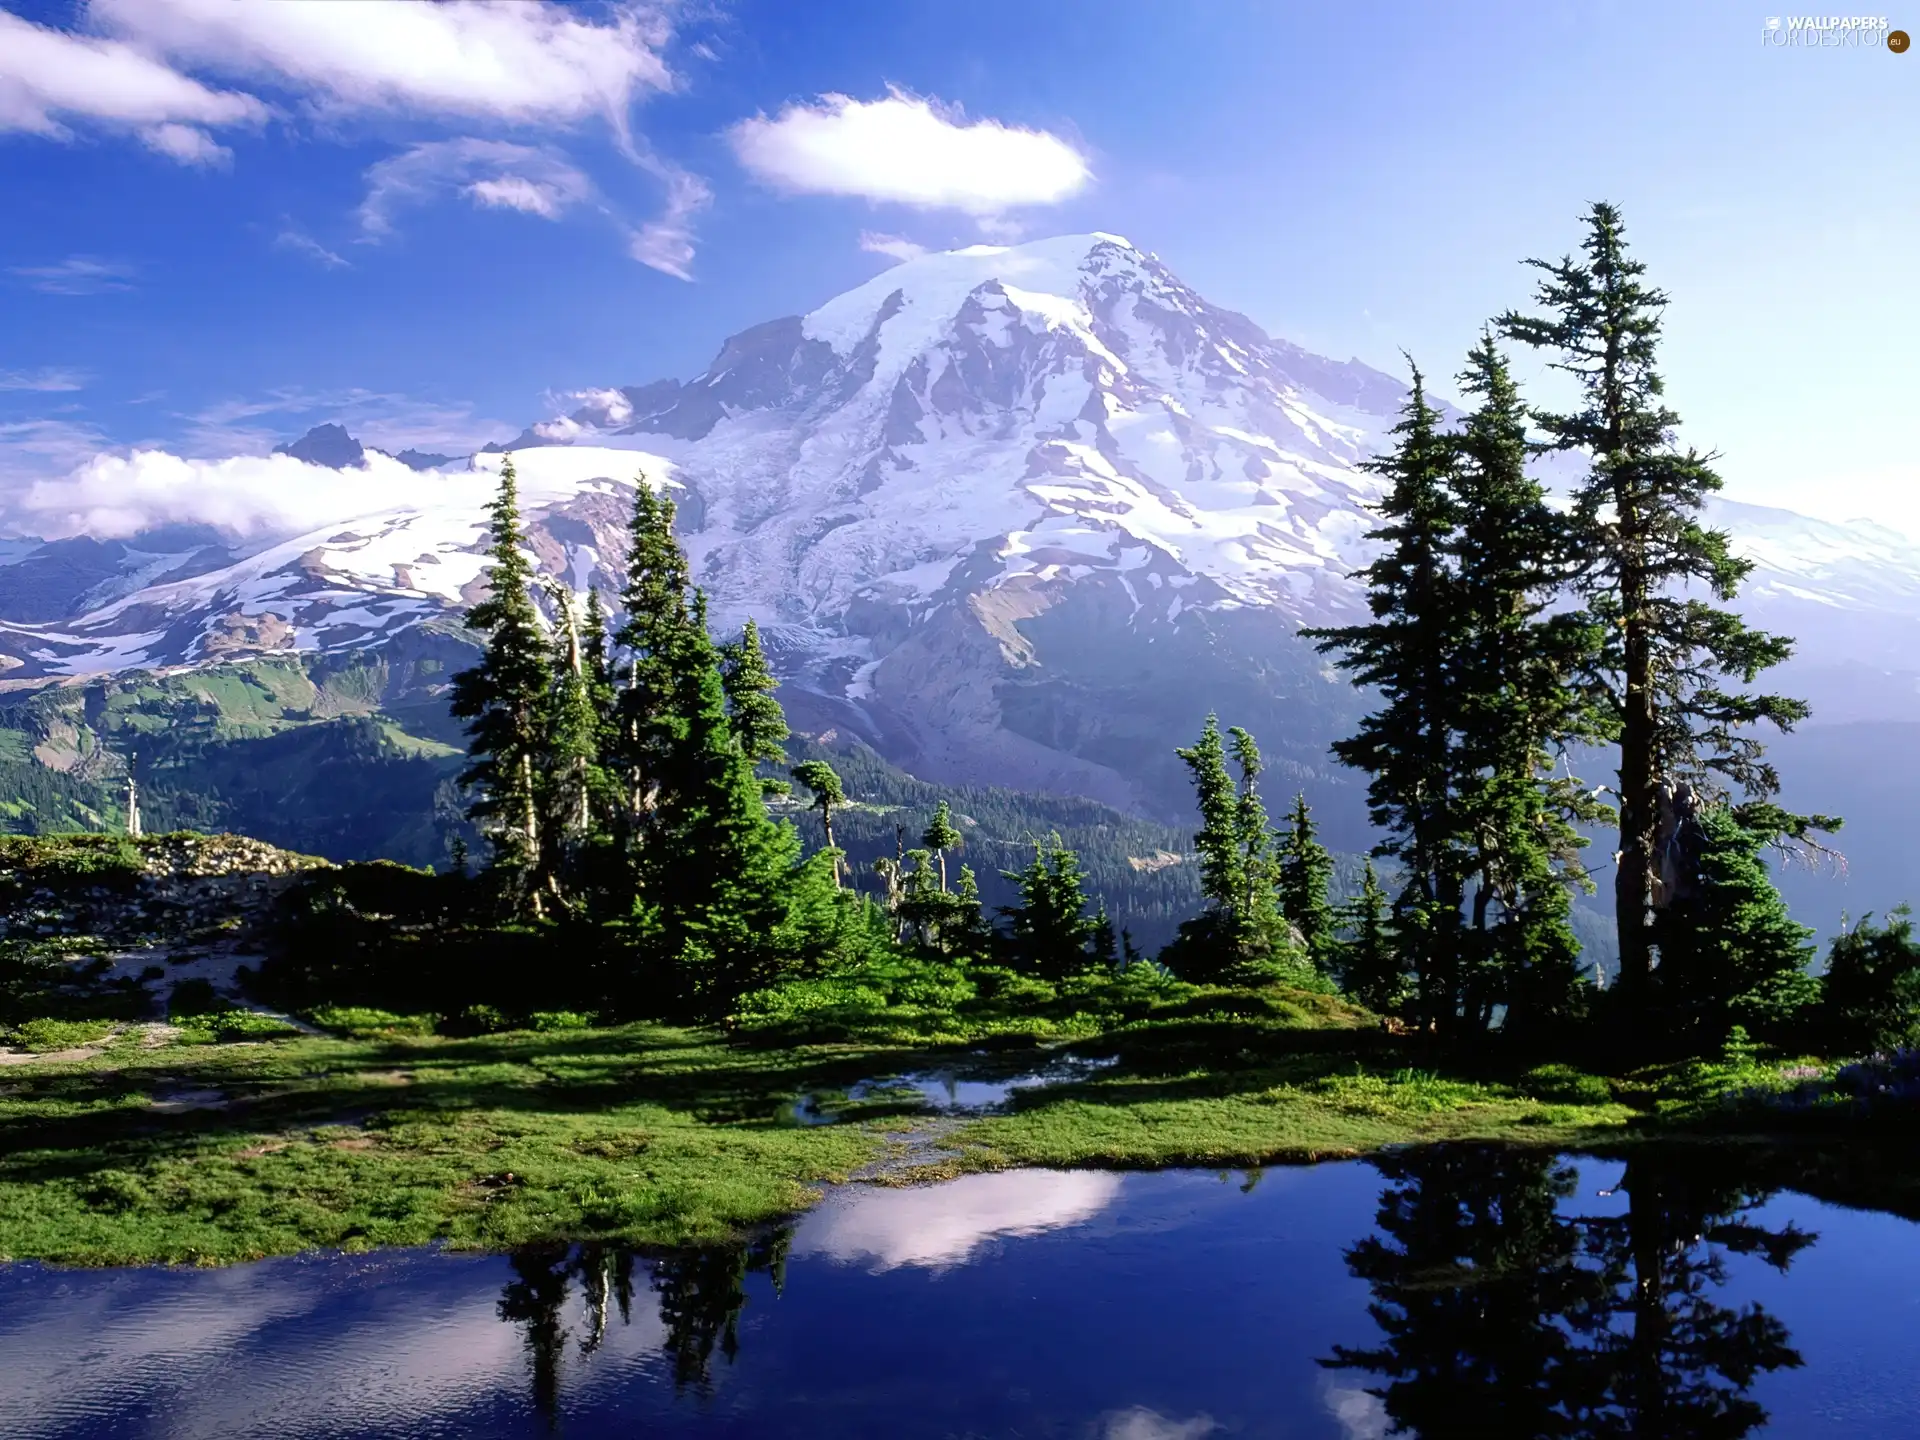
938, 1226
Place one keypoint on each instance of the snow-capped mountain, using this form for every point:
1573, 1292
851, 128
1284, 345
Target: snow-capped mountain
1021, 513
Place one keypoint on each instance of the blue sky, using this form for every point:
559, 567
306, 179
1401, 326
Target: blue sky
226, 220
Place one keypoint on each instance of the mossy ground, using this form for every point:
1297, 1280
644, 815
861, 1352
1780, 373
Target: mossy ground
654, 1135
212, 1140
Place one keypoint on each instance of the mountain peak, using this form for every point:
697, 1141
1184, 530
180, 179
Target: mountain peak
333, 447
328, 445
933, 287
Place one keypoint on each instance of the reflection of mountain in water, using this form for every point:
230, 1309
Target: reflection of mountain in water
1503, 1316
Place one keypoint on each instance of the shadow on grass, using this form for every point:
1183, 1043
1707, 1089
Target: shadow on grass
278, 1086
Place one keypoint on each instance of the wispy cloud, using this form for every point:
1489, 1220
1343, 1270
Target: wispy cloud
132, 65
77, 275
1140, 1423
897, 246
911, 151
45, 380
300, 243
187, 144
33, 449
496, 174
666, 244
387, 419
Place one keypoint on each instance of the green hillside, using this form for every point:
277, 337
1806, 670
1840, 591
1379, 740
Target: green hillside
354, 757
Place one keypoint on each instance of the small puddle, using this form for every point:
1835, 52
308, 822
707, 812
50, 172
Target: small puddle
174, 1102
952, 1089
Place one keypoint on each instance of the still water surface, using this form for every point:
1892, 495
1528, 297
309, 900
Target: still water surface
1454, 1292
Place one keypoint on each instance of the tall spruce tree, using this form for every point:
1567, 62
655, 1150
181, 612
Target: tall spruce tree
1049, 933
1223, 879
1258, 903
1306, 871
1522, 699
965, 933
1407, 745
504, 699
717, 871
1675, 665
759, 724
658, 646
1241, 926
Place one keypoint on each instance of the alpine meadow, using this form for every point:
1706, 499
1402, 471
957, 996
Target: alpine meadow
1018, 853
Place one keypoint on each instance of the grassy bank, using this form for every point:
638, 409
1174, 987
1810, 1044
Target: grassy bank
157, 1145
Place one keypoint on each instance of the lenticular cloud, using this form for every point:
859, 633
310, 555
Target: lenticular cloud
906, 150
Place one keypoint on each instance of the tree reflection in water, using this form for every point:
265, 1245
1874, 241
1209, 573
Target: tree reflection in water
701, 1295
1502, 1315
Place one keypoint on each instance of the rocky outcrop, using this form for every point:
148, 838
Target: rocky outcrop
117, 891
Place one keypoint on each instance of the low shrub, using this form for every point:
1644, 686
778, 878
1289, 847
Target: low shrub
364, 1022
43, 1035
213, 1027
1870, 994
547, 1020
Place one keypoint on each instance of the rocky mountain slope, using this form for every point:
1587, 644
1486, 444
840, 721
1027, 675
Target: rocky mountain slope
1018, 515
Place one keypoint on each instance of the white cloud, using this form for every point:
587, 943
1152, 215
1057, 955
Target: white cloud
908, 150
941, 1225
515, 192
1361, 1415
302, 243
77, 275
59, 477
188, 144
1140, 1423
562, 430
666, 244
49, 76
499, 59
496, 174
111, 496
534, 63
898, 246
44, 379
614, 407
533, 180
